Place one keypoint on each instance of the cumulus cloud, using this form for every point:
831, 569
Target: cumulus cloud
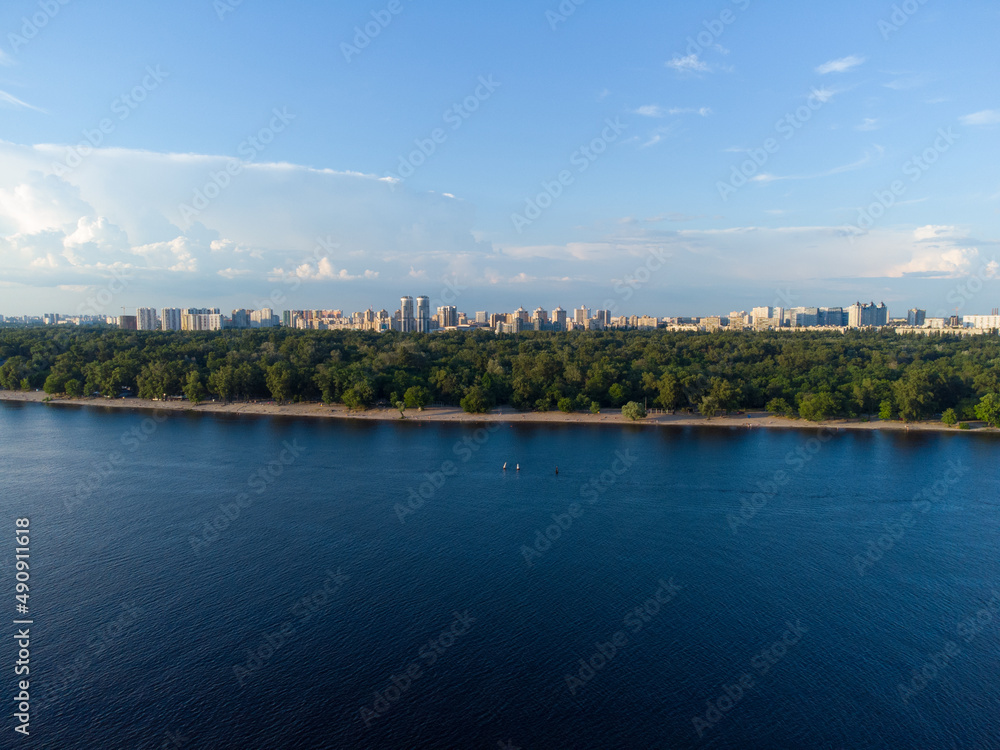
268, 224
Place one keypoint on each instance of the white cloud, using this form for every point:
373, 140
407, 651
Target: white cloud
689, 64
13, 101
986, 117
841, 65
650, 110
824, 95
121, 209
703, 111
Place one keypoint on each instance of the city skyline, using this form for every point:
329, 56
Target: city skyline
847, 165
414, 316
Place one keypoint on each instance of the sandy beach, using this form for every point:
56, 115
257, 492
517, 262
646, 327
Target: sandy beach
748, 420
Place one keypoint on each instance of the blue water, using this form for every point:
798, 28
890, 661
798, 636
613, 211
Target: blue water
141, 613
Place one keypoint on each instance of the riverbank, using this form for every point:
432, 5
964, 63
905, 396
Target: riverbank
454, 414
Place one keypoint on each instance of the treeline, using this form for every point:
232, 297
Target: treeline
810, 375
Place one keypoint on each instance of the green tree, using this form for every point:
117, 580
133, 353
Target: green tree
670, 392
949, 417
781, 407
476, 400
886, 410
279, 381
417, 397
359, 396
74, 388
54, 384
565, 405
817, 406
633, 410
401, 405
617, 394
595, 408
193, 389
709, 406
988, 409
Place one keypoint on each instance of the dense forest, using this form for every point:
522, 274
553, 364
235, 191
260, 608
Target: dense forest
809, 375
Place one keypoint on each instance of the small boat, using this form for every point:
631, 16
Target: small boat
557, 470
505, 466
517, 468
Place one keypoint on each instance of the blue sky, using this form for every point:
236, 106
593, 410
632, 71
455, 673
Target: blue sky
866, 133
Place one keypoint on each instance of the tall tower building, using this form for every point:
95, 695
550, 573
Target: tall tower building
147, 318
423, 314
170, 319
407, 323
559, 319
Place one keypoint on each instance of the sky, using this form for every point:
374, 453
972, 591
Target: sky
644, 157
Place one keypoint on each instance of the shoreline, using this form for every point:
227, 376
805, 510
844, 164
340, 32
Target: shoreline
454, 414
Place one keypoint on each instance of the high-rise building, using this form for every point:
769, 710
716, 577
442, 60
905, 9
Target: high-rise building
128, 323
540, 315
558, 319
448, 316
199, 321
482, 318
423, 316
916, 317
832, 316
580, 316
240, 319
146, 318
867, 316
263, 318
407, 321
170, 319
